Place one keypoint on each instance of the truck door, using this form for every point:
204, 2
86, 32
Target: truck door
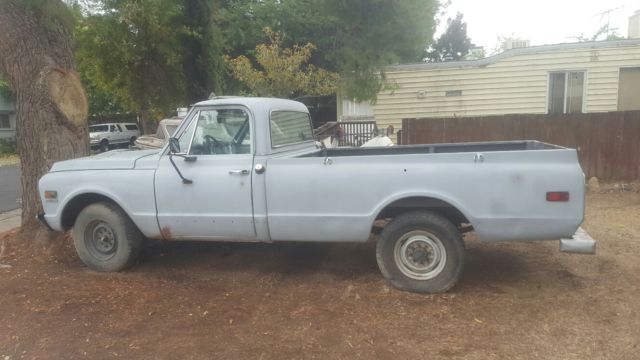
217, 205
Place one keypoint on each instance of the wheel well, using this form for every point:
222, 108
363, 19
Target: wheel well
438, 206
73, 207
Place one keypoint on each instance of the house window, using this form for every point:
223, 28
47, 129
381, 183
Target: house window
566, 92
629, 89
5, 123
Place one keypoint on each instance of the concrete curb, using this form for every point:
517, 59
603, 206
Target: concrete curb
10, 220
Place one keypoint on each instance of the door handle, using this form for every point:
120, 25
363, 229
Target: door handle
239, 172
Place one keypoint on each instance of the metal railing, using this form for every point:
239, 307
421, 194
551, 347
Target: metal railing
355, 133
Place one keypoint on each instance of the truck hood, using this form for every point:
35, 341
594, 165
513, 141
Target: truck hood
111, 160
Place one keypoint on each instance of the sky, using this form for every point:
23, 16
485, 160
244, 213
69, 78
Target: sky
540, 21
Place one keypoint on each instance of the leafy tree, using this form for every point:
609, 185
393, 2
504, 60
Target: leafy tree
51, 105
5, 90
370, 34
453, 44
132, 49
284, 71
204, 66
355, 38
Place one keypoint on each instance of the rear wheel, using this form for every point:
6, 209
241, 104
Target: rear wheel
132, 141
421, 252
105, 238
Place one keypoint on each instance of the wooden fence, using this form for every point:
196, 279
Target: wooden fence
608, 144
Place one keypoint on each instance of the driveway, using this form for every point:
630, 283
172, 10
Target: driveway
10, 191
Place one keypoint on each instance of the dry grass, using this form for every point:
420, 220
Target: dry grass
328, 301
9, 160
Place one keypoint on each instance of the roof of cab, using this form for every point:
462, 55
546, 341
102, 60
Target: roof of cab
257, 102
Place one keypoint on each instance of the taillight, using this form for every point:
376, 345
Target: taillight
558, 196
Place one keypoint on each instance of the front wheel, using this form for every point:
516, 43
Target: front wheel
105, 238
421, 252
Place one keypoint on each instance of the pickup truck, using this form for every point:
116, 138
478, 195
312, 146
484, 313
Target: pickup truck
249, 169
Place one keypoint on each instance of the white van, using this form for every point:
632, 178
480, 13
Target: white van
105, 136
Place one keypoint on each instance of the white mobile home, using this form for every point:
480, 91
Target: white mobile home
566, 78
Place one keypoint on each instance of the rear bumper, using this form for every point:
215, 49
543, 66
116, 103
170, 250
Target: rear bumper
580, 243
41, 219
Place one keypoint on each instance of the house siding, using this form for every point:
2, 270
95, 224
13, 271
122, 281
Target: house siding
7, 107
516, 84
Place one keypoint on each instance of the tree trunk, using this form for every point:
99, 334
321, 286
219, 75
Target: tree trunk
51, 106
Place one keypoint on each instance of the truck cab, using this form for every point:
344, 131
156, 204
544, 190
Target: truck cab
231, 140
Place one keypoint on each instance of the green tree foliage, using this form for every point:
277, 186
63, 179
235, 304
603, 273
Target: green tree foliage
453, 44
284, 71
132, 50
153, 54
355, 38
5, 90
203, 47
374, 33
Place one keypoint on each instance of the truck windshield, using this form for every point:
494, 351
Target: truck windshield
290, 127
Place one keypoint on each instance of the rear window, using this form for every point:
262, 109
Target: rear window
99, 128
290, 127
131, 127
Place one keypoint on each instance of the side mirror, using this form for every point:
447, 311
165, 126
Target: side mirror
174, 146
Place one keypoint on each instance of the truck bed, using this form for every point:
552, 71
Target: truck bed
444, 148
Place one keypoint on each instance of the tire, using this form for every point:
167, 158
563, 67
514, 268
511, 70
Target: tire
104, 145
132, 141
421, 252
105, 239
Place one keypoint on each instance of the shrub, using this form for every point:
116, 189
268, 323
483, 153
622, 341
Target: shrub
7, 147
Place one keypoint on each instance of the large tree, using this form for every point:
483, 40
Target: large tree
453, 44
37, 60
133, 51
202, 44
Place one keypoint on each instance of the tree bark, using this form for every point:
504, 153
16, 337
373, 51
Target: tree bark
36, 58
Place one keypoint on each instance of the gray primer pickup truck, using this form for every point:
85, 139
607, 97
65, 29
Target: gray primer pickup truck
248, 169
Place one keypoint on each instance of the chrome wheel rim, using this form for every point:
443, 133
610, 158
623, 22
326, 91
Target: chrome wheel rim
420, 255
101, 240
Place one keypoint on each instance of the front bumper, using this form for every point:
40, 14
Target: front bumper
43, 221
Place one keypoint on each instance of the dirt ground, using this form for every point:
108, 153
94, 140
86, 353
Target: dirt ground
306, 301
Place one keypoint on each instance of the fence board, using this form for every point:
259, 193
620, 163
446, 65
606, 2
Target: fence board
608, 144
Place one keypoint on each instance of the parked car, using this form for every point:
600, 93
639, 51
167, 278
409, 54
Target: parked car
248, 169
105, 136
166, 128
